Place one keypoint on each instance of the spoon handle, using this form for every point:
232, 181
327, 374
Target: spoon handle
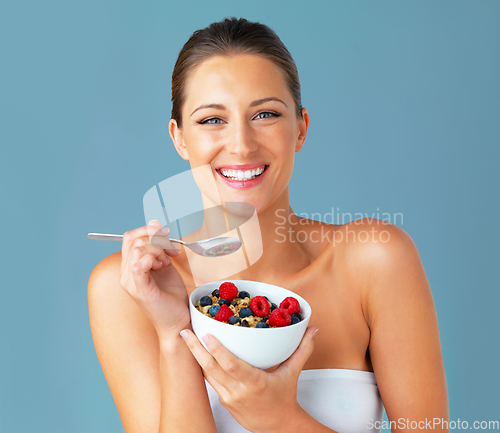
104, 237
108, 237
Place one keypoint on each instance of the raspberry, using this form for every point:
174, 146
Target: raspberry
260, 306
224, 314
291, 305
280, 317
228, 291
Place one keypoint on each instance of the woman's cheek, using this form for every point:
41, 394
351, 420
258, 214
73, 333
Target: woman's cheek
202, 153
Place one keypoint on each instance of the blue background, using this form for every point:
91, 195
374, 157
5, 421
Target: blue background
404, 100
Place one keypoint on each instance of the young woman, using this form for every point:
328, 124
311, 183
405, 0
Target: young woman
236, 106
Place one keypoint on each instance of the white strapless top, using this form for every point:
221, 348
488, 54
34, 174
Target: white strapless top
343, 400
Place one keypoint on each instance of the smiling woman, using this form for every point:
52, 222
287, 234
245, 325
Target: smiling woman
237, 111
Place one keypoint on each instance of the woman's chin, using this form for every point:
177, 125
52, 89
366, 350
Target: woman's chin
248, 204
239, 208
242, 206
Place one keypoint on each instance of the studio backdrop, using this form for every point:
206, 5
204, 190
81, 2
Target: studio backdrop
404, 102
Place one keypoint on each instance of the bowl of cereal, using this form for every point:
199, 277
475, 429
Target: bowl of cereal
260, 323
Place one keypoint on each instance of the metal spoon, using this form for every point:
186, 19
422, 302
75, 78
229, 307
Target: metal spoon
213, 247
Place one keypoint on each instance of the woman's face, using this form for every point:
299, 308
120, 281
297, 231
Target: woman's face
239, 117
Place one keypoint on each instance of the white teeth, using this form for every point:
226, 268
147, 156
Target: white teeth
242, 174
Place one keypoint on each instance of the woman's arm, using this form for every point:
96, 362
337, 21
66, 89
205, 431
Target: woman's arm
184, 400
404, 347
156, 383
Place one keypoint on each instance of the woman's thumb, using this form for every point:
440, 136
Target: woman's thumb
153, 227
296, 362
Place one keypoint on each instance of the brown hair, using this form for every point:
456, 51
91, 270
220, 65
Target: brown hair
230, 37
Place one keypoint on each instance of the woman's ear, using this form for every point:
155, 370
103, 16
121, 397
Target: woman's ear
303, 125
176, 136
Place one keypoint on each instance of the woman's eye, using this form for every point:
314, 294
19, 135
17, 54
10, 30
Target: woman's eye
266, 114
211, 121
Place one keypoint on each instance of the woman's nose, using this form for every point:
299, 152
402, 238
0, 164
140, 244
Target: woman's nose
241, 140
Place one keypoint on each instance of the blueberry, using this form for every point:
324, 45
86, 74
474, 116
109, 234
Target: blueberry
296, 318
246, 312
262, 325
215, 293
223, 302
273, 306
233, 320
206, 300
234, 303
213, 310
245, 324
243, 295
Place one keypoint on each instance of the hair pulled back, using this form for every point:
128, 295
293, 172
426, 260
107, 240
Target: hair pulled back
230, 37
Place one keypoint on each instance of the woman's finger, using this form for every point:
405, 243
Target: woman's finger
153, 227
141, 276
129, 238
140, 237
232, 365
222, 392
207, 362
296, 362
146, 232
160, 240
158, 253
143, 241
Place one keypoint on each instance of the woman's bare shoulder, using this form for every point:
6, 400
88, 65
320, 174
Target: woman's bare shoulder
104, 290
107, 268
369, 239
374, 243
107, 297
360, 248
385, 264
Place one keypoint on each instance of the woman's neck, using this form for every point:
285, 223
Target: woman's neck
276, 255
282, 254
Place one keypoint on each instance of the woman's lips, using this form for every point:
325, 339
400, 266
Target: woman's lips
236, 170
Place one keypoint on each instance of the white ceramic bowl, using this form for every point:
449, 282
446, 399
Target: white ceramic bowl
260, 347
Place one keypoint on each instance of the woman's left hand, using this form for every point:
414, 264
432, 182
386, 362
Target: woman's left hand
259, 400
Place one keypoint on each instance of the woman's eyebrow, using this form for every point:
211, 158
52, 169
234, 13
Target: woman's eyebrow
201, 107
271, 98
252, 104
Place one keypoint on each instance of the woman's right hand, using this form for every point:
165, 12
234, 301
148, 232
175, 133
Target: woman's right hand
150, 279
